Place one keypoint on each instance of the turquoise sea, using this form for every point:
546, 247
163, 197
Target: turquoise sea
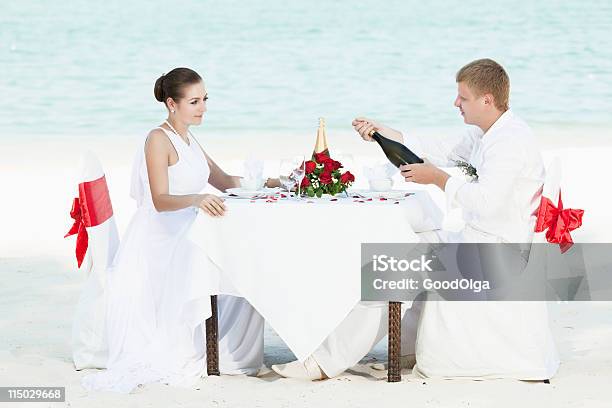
79, 67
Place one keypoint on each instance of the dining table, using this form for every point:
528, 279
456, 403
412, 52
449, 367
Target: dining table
297, 260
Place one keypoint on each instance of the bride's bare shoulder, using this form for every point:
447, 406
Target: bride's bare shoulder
157, 139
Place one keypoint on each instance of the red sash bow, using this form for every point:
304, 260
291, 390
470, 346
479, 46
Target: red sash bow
92, 207
558, 221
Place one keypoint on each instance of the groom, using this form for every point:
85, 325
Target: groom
462, 339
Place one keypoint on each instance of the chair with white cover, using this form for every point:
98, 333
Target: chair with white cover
97, 244
538, 253
565, 272
551, 190
97, 231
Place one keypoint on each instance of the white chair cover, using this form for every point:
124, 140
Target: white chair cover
89, 343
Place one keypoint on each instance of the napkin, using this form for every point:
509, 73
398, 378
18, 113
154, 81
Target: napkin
253, 173
380, 171
253, 168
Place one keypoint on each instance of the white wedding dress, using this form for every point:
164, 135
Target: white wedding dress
159, 291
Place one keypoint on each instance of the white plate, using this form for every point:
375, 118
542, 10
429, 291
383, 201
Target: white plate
244, 193
392, 194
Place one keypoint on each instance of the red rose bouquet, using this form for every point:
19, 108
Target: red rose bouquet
323, 176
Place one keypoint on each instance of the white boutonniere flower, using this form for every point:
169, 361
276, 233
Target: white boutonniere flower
467, 169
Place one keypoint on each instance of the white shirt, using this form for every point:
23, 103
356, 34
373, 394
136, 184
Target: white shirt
510, 169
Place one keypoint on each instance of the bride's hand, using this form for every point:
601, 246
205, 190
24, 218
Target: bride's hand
364, 126
212, 204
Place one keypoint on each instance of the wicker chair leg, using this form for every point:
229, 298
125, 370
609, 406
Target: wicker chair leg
212, 339
395, 343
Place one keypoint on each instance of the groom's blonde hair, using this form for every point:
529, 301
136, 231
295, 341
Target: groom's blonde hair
487, 76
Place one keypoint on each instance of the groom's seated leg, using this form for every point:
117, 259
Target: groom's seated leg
364, 326
361, 330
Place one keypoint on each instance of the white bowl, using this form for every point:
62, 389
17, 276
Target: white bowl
381, 184
251, 184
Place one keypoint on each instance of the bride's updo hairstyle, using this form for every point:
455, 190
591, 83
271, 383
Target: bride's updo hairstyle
171, 85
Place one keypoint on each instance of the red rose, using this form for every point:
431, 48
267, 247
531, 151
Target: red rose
310, 166
347, 177
325, 178
332, 165
321, 158
305, 182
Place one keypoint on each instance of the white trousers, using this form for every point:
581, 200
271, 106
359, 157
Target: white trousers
364, 327
361, 330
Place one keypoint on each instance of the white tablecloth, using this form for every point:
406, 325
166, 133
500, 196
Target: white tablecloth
299, 263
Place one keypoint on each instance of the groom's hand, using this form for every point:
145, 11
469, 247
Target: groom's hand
364, 126
424, 173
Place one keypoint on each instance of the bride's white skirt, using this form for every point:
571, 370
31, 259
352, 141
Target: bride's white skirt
158, 300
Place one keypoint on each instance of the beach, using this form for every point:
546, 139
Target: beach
42, 286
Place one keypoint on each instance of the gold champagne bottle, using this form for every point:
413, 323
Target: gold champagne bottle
321, 143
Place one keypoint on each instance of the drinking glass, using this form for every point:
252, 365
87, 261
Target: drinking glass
285, 174
299, 171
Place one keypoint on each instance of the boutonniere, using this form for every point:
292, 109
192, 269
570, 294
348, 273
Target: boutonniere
467, 169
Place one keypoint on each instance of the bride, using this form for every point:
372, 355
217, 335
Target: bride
160, 283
